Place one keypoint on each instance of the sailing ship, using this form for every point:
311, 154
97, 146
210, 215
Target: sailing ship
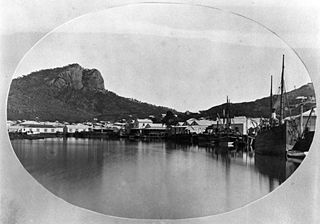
276, 136
222, 135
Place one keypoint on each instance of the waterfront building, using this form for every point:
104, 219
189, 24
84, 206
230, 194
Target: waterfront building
308, 120
155, 130
119, 125
41, 128
198, 126
116, 127
141, 123
56, 123
11, 124
35, 127
137, 125
241, 124
180, 123
196, 129
189, 121
73, 128
15, 128
179, 129
26, 123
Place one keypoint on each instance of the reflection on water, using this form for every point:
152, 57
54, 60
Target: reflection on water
150, 179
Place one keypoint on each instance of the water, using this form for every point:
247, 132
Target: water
149, 179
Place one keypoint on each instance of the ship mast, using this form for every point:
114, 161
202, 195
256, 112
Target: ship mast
281, 96
271, 99
228, 112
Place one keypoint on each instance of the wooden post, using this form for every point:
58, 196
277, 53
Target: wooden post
301, 120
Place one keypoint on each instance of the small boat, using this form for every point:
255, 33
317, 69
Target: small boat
301, 148
305, 139
33, 135
296, 154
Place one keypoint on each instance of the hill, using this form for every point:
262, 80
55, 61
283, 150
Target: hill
71, 93
261, 107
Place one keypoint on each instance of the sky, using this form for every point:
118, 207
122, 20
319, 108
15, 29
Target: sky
179, 56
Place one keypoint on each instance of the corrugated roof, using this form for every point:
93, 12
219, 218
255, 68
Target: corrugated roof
39, 126
304, 114
204, 122
31, 123
78, 126
156, 126
144, 120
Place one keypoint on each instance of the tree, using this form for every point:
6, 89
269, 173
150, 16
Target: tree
170, 118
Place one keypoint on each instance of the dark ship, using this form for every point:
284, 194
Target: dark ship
276, 136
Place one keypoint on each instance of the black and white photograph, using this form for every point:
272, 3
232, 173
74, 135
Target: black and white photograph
160, 112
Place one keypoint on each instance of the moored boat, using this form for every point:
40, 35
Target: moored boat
276, 136
303, 144
301, 148
296, 154
276, 140
224, 135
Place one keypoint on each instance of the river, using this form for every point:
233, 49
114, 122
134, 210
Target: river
154, 180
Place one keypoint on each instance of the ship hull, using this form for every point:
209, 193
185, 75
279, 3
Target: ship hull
274, 141
303, 145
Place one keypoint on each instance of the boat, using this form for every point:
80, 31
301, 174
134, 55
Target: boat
276, 136
294, 160
276, 140
305, 139
296, 154
301, 148
33, 135
303, 143
222, 135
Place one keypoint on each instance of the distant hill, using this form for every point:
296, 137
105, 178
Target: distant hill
71, 93
261, 107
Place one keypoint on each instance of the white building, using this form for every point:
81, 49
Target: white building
141, 123
10, 124
240, 123
15, 128
36, 128
311, 125
198, 126
156, 126
72, 128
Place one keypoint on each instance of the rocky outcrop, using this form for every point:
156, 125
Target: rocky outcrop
92, 79
75, 77
71, 93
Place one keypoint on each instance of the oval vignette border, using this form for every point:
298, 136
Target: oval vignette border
196, 5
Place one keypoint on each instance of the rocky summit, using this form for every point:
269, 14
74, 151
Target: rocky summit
71, 93
75, 77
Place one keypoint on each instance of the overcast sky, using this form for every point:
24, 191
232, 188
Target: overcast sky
184, 57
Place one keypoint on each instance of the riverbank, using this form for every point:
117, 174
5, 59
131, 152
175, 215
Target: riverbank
238, 142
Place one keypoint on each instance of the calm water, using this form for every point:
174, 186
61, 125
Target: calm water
149, 179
